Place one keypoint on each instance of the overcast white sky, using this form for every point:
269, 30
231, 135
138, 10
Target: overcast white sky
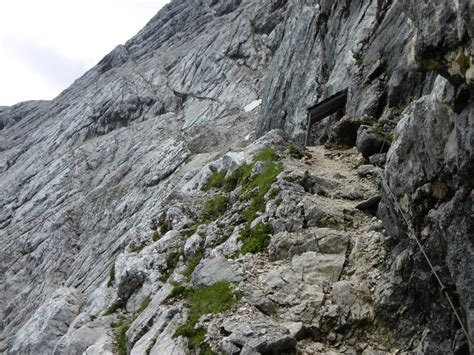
46, 44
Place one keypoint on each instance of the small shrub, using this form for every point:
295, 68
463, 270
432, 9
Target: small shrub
192, 263
122, 339
212, 299
273, 193
359, 59
262, 184
110, 283
144, 304
268, 155
215, 207
217, 180
294, 151
186, 233
397, 111
138, 248
163, 225
152, 344
156, 236
278, 201
178, 291
255, 240
171, 261
238, 176
114, 308
337, 146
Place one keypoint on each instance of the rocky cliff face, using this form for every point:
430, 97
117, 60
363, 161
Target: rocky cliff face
139, 212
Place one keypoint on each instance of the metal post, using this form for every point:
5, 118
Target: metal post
308, 123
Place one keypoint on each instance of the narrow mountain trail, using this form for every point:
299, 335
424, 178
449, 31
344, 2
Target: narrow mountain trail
317, 280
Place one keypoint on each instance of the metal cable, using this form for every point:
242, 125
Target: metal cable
412, 235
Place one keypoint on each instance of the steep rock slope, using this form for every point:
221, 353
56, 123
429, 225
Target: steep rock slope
89, 179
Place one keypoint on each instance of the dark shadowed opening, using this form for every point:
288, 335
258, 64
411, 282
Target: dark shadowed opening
333, 104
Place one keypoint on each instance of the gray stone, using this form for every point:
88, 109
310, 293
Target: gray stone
366, 170
378, 159
370, 143
260, 301
353, 192
260, 337
192, 245
318, 268
48, 323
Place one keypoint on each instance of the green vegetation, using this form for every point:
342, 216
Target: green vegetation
111, 275
146, 301
114, 308
163, 225
138, 248
122, 339
152, 343
217, 180
186, 233
261, 184
255, 240
268, 155
397, 111
212, 299
278, 201
156, 236
359, 61
215, 207
172, 260
178, 291
273, 192
254, 190
124, 324
257, 187
378, 128
294, 151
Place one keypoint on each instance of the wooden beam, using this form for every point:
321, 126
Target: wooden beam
327, 107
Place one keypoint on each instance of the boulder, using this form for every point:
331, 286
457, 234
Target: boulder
370, 143
48, 323
258, 337
212, 270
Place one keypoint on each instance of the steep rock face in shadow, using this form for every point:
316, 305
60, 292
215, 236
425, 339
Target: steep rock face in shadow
330, 46
429, 169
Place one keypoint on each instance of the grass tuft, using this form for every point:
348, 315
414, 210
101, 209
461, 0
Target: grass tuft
110, 283
171, 261
122, 339
114, 308
215, 207
267, 155
144, 304
192, 263
255, 240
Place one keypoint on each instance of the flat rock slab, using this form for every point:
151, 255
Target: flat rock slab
259, 337
316, 267
210, 271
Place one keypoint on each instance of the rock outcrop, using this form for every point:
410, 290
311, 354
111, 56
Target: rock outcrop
172, 173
